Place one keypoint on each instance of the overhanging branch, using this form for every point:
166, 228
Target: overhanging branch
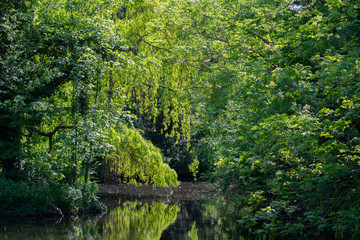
49, 134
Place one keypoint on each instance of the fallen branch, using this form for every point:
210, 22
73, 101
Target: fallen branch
57, 211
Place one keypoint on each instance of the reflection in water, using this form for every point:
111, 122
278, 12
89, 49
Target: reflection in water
203, 220
132, 220
138, 220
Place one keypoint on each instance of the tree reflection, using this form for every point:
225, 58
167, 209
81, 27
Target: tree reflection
137, 220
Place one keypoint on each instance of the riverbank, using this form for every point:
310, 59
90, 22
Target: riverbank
186, 191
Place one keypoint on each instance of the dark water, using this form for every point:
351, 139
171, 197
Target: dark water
131, 219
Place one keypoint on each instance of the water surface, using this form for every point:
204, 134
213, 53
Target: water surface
131, 218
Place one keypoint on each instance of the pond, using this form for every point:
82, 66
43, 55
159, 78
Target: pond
132, 217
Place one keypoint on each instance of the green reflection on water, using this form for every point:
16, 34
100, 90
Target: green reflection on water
138, 220
132, 219
129, 220
193, 233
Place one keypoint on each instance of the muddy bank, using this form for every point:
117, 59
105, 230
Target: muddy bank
186, 191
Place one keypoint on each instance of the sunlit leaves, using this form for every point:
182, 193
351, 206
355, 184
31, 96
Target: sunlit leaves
289, 124
137, 161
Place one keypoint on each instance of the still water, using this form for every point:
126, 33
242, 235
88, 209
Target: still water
131, 219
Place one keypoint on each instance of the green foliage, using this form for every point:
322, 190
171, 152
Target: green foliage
267, 90
48, 46
286, 138
20, 198
175, 151
194, 168
72, 85
61, 91
274, 93
80, 197
137, 160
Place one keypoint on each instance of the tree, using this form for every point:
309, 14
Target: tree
42, 53
288, 132
62, 82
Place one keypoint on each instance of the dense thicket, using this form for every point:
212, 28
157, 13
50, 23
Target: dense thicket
261, 95
282, 116
62, 98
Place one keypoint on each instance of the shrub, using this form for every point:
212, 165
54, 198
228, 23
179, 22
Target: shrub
21, 198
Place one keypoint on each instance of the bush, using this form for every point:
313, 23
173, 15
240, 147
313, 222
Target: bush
21, 198
286, 180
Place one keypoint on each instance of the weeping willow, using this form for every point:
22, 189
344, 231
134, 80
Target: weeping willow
136, 160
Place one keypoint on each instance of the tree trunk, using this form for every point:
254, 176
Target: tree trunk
10, 146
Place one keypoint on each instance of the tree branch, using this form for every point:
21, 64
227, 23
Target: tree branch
49, 134
158, 48
259, 36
